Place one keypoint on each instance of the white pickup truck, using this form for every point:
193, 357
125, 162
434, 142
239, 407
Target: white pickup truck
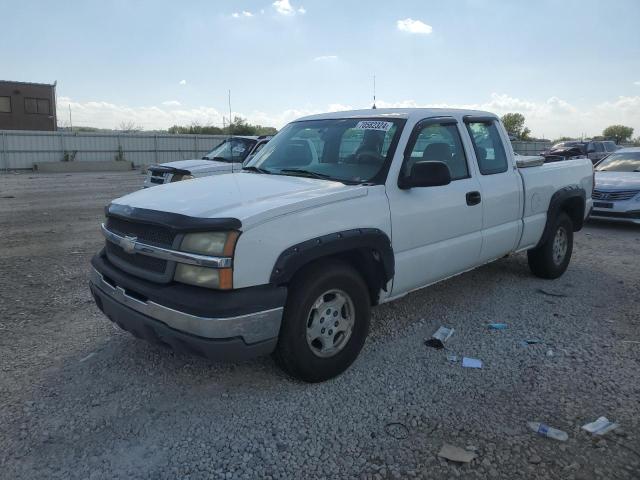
227, 157
338, 213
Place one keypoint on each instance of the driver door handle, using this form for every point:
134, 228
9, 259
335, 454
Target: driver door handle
473, 198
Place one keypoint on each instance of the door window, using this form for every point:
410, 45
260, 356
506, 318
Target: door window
610, 146
438, 142
488, 146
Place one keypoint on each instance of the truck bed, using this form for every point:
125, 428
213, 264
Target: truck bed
540, 183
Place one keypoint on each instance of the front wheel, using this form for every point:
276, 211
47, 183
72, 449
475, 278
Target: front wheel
551, 259
325, 323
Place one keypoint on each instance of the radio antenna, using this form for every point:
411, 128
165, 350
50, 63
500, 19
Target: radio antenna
374, 91
230, 120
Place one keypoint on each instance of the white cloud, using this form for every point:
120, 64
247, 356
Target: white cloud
325, 58
552, 117
244, 13
284, 7
410, 25
182, 82
637, 83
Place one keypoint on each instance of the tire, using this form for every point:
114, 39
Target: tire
323, 284
551, 259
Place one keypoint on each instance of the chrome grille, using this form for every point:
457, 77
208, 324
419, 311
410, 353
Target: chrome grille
615, 195
152, 234
143, 262
157, 177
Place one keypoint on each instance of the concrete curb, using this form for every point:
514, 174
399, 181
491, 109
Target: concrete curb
98, 166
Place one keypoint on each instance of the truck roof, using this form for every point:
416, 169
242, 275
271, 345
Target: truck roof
406, 113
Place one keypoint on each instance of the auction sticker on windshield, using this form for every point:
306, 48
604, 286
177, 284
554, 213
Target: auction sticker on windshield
374, 125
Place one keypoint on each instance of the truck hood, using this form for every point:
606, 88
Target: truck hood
618, 180
198, 166
252, 198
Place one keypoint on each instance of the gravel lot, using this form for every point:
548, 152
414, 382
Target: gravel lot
81, 399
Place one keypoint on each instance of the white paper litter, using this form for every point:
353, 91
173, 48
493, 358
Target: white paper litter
471, 362
601, 426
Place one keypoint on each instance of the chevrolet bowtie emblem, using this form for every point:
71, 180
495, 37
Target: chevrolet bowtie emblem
128, 244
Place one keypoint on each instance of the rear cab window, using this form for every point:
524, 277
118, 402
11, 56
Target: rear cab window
488, 146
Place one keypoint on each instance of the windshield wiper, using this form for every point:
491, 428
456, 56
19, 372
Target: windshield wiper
307, 173
251, 168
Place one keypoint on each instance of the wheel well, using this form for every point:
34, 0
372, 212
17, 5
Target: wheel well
574, 207
366, 261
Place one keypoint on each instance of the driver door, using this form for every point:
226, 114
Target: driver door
437, 231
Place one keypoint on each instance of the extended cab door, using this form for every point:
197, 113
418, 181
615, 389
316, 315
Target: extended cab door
436, 230
501, 188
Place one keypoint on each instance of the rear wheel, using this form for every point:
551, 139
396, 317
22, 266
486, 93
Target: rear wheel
325, 323
551, 259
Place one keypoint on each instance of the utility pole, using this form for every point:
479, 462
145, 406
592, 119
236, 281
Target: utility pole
70, 121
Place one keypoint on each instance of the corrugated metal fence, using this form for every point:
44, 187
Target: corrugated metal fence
530, 148
21, 149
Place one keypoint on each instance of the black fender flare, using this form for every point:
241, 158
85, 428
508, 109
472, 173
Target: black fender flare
296, 256
558, 200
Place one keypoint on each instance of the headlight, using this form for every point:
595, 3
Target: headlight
178, 178
204, 277
217, 244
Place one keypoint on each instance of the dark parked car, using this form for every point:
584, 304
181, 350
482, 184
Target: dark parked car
595, 150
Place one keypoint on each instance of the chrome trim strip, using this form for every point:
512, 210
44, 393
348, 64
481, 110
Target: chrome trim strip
252, 327
132, 246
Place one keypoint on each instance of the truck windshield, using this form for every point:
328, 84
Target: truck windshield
620, 162
348, 150
231, 150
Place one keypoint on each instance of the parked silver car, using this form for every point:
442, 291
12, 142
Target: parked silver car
616, 195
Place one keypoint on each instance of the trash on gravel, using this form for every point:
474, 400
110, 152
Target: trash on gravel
547, 431
439, 338
601, 426
497, 326
87, 357
456, 454
452, 358
471, 362
552, 294
530, 341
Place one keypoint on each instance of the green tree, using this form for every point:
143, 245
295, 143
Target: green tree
562, 139
239, 126
618, 132
514, 124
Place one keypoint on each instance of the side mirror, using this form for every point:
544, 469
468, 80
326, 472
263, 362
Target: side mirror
426, 174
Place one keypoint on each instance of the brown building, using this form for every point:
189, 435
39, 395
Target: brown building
27, 106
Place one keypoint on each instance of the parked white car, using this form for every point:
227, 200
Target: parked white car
617, 191
225, 158
338, 213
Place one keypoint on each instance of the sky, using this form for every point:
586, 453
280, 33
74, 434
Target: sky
571, 67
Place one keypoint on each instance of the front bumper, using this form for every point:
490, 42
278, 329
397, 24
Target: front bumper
619, 212
233, 325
